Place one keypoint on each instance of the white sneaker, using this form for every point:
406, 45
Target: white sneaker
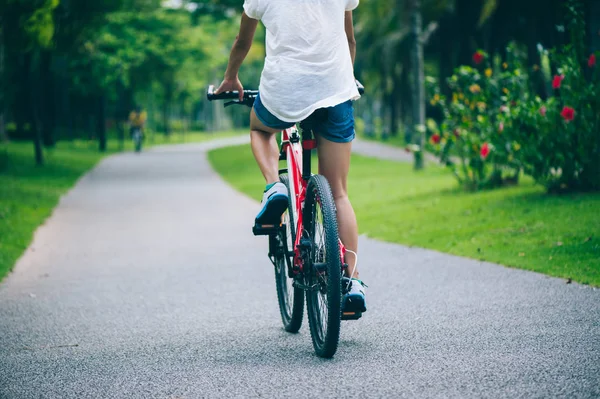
354, 300
274, 203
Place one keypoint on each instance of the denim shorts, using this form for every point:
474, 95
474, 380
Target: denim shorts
333, 123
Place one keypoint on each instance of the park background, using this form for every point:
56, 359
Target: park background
496, 102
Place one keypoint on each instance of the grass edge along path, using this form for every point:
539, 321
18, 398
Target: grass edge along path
519, 227
28, 194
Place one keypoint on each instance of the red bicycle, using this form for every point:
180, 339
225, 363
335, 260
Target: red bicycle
306, 250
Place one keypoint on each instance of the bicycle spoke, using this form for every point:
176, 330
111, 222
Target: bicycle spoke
320, 256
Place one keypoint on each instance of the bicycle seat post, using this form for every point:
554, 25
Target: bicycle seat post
308, 144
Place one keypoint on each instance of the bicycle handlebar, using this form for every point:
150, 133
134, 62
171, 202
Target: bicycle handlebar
229, 95
249, 95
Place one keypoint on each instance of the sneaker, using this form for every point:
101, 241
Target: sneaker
354, 300
274, 203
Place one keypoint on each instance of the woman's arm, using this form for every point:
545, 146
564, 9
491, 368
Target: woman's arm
239, 51
349, 26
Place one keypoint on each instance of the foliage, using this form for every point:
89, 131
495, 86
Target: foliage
495, 125
560, 136
471, 139
40, 25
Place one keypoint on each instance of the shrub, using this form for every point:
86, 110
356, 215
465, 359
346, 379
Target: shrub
494, 127
471, 139
560, 137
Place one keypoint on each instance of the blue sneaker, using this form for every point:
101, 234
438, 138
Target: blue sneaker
354, 300
274, 203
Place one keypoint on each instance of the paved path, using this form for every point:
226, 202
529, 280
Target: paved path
146, 283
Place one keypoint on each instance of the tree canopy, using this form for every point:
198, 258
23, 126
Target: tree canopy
73, 65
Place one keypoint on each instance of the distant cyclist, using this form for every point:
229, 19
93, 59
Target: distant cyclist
137, 120
309, 66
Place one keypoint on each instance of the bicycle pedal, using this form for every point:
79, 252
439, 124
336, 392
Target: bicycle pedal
265, 229
351, 315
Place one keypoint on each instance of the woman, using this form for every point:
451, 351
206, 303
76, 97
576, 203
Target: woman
309, 66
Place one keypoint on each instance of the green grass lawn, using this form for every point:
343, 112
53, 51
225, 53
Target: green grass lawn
518, 227
29, 193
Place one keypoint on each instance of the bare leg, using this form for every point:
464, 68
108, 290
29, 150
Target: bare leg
264, 148
334, 164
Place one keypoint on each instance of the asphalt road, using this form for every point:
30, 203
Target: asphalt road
147, 283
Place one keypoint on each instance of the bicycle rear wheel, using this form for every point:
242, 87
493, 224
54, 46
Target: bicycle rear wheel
291, 299
324, 268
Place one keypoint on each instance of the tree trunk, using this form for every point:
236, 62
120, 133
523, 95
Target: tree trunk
33, 83
406, 99
122, 107
418, 81
46, 99
165, 116
21, 104
394, 104
3, 135
101, 123
393, 115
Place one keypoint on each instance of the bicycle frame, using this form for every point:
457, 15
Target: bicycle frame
297, 153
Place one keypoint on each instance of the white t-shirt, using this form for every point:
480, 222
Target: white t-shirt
308, 64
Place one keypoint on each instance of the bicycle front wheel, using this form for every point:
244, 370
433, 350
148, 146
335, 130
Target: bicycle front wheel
324, 268
290, 298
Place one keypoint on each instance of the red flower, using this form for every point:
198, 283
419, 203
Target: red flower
435, 139
543, 110
568, 114
557, 81
485, 150
592, 60
478, 57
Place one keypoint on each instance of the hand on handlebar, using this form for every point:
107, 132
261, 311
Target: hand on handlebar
231, 85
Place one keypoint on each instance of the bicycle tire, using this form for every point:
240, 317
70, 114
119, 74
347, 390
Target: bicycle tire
324, 300
290, 298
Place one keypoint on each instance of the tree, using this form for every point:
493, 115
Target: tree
3, 135
30, 25
418, 78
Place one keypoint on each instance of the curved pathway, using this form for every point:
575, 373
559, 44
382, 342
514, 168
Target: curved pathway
147, 283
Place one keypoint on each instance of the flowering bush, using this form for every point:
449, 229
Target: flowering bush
493, 127
471, 139
560, 137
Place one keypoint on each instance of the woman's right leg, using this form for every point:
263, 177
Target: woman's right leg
334, 164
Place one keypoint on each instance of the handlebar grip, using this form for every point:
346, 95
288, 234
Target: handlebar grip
226, 95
